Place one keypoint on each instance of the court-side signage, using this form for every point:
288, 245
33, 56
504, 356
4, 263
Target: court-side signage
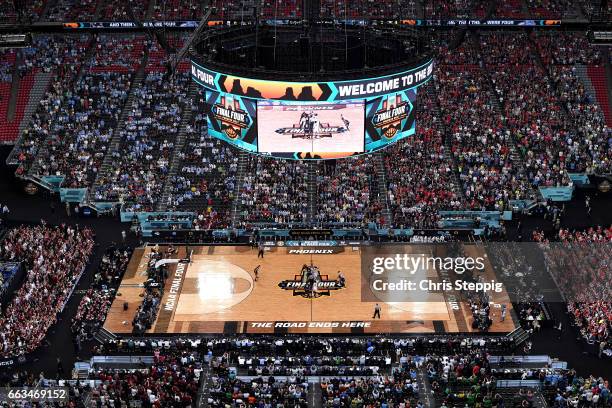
312, 251
310, 243
310, 325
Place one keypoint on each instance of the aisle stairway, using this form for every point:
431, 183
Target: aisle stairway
41, 84
236, 205
426, 395
382, 187
206, 385
594, 79
312, 191
314, 395
450, 158
15, 85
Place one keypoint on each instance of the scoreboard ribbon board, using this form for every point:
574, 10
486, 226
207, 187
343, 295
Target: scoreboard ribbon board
311, 120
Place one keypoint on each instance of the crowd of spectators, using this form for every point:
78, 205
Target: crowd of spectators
481, 144
171, 381
166, 10
84, 122
206, 175
399, 388
117, 10
564, 53
23, 12
449, 9
595, 9
567, 48
345, 192
7, 61
118, 53
460, 372
83, 127
72, 10
478, 129
471, 380
54, 258
559, 127
511, 9
8, 14
112, 10
139, 168
461, 379
227, 391
63, 57
419, 173
96, 302
587, 254
369, 9
230, 9
533, 113
281, 9
274, 191
552, 8
593, 136
568, 389
451, 50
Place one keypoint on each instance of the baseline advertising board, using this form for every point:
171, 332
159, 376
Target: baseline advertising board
307, 120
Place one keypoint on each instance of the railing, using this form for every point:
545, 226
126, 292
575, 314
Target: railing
122, 360
557, 194
519, 384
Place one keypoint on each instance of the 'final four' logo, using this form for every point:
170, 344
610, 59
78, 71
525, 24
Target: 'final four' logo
311, 284
233, 119
389, 119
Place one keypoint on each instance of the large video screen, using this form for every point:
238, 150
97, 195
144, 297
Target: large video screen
290, 127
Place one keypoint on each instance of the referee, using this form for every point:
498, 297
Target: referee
376, 311
260, 252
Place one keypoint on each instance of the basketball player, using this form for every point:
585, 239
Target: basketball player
376, 311
256, 272
347, 124
503, 312
304, 122
314, 122
314, 288
305, 272
341, 279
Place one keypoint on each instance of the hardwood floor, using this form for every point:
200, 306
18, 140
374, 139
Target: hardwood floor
217, 293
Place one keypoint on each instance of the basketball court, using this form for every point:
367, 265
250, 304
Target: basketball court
216, 292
